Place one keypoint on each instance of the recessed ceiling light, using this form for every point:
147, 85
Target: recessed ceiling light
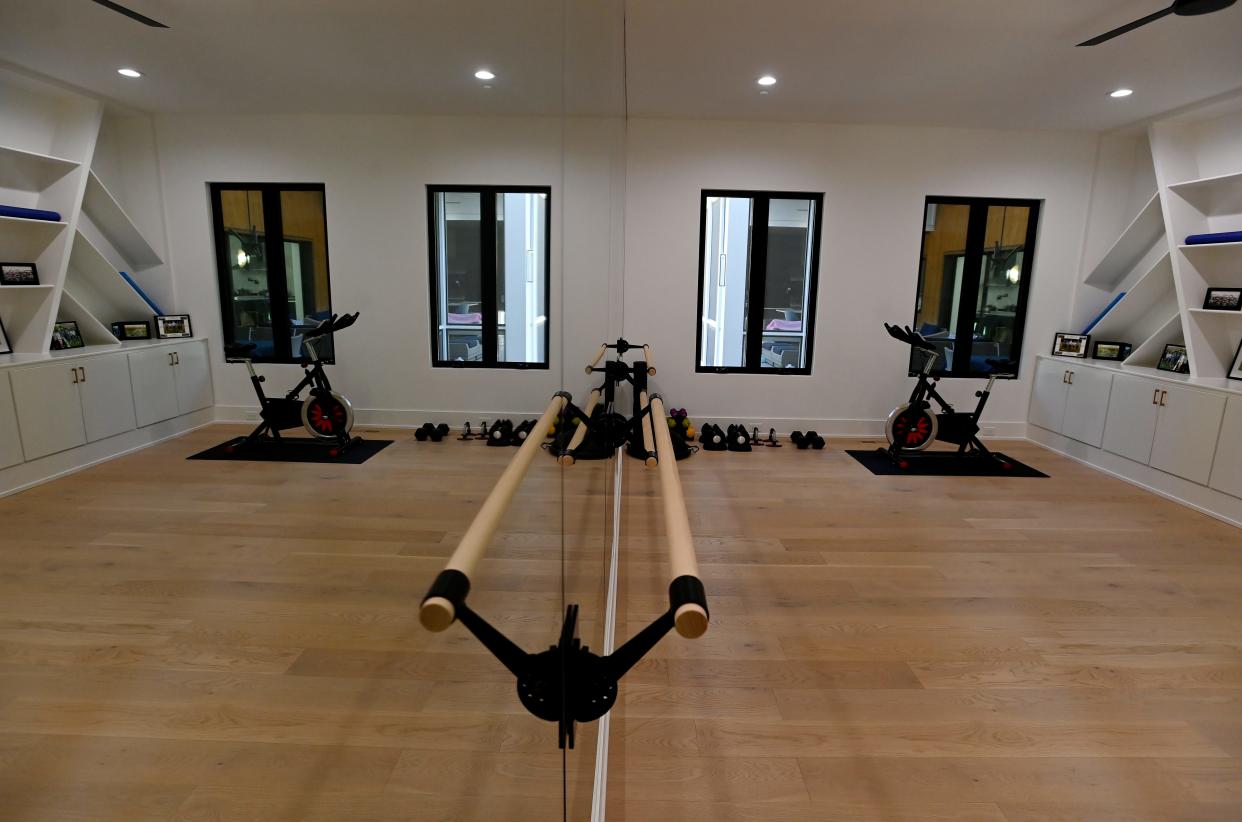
767, 80
129, 72
484, 74
1121, 92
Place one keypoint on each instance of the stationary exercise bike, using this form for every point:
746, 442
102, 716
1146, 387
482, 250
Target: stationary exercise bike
912, 426
326, 414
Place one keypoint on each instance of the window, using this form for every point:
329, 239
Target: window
757, 288
974, 275
272, 264
490, 275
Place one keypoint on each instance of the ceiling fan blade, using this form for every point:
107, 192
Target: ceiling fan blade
1142, 21
131, 14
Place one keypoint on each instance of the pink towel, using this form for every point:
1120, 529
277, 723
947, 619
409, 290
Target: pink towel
465, 319
784, 325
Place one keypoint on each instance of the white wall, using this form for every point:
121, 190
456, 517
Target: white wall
874, 178
375, 170
874, 181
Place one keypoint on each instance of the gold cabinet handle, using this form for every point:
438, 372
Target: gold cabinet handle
82, 369
74, 372
1071, 375
1164, 395
1155, 397
176, 358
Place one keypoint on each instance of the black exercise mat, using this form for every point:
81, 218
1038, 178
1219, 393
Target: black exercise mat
877, 462
293, 449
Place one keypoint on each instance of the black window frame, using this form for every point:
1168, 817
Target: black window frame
758, 264
488, 291
968, 299
278, 290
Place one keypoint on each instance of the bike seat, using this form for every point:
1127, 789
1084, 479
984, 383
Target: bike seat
1003, 369
234, 352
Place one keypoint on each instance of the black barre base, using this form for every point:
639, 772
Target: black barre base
944, 464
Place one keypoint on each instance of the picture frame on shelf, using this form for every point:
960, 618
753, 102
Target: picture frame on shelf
1066, 344
66, 335
132, 330
5, 346
19, 274
1235, 370
1223, 299
1112, 351
172, 326
1174, 359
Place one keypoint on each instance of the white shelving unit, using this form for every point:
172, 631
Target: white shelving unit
1221, 194
49, 164
1144, 310
1148, 353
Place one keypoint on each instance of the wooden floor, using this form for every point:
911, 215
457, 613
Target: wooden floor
233, 641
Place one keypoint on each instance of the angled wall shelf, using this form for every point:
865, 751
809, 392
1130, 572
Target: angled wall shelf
99, 287
112, 221
1136, 240
29, 170
1148, 352
1145, 307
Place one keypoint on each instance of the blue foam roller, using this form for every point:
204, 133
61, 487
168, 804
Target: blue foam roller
1218, 237
29, 213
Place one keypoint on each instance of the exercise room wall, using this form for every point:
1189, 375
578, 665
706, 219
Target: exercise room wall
376, 170
874, 180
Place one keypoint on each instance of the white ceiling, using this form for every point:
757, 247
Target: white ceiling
977, 63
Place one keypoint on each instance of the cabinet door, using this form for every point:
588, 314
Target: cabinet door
1132, 415
1048, 395
155, 384
48, 409
107, 396
10, 441
1227, 467
193, 376
1086, 405
1186, 432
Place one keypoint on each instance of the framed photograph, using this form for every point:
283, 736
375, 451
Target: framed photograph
65, 334
172, 326
1174, 359
132, 330
1070, 345
1116, 351
1223, 299
19, 274
1235, 370
5, 346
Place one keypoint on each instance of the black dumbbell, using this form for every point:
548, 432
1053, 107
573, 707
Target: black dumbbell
817, 442
435, 433
800, 440
501, 433
713, 438
739, 439
522, 431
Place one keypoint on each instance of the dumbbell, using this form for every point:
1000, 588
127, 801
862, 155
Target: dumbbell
435, 433
501, 433
713, 438
808, 440
739, 438
522, 431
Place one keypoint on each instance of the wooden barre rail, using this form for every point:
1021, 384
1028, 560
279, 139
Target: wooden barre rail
579, 435
651, 371
648, 434
691, 618
437, 613
599, 355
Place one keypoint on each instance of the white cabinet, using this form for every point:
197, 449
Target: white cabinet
1133, 411
154, 384
1071, 400
193, 376
10, 440
1227, 469
1048, 395
1186, 432
170, 380
48, 408
1163, 425
107, 400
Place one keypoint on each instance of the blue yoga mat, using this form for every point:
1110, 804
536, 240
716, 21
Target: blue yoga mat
29, 213
1218, 237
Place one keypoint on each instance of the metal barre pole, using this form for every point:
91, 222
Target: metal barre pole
438, 612
568, 457
690, 618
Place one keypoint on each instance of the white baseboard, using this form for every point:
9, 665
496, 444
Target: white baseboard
1199, 497
53, 466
